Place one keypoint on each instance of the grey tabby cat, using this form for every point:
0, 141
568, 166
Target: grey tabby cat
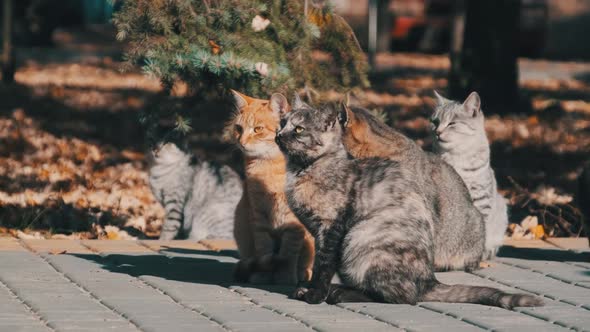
199, 198
458, 228
371, 222
460, 139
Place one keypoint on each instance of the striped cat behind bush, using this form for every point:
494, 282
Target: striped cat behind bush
460, 139
199, 197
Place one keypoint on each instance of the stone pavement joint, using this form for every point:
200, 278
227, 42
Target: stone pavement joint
358, 311
26, 307
224, 244
84, 290
518, 288
195, 310
545, 274
151, 285
179, 303
272, 309
452, 315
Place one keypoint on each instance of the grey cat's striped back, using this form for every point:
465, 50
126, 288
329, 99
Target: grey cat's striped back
199, 198
371, 220
459, 228
460, 139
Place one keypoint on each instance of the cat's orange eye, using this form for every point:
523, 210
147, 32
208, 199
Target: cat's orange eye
258, 129
299, 130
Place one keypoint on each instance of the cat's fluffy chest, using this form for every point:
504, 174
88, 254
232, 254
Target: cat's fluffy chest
313, 197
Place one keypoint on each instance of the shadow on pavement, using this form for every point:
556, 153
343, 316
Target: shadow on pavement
203, 267
538, 254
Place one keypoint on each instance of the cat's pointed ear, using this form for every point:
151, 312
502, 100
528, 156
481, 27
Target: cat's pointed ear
330, 117
344, 111
279, 104
472, 105
240, 100
440, 99
344, 115
297, 102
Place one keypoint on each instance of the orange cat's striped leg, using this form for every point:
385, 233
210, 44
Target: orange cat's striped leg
264, 246
244, 240
306, 256
292, 237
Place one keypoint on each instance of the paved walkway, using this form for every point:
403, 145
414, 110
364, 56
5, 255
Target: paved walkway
63, 285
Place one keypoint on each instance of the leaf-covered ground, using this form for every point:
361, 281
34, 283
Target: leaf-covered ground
72, 160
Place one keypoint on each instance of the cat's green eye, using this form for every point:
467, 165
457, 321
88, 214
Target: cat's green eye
451, 124
299, 130
258, 129
238, 129
435, 122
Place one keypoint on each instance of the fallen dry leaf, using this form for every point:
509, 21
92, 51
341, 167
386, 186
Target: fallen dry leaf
529, 223
26, 236
538, 231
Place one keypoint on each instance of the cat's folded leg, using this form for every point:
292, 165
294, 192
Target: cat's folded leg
324, 267
264, 245
342, 294
292, 236
170, 229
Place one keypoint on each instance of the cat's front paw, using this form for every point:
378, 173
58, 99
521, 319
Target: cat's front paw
168, 235
305, 275
310, 295
299, 293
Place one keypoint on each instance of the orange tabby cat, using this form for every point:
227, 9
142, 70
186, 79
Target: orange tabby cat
274, 246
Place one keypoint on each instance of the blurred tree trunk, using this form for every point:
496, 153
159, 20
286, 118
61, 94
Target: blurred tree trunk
8, 66
484, 52
380, 21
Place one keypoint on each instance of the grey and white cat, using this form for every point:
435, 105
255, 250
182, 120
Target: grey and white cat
371, 222
200, 199
460, 139
459, 230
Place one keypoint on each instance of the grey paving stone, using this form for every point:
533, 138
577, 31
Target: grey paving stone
23, 328
36, 288
557, 270
222, 304
195, 293
491, 317
180, 327
91, 325
322, 317
337, 326
550, 312
571, 317
537, 283
411, 317
223, 257
282, 327
129, 296
244, 313
191, 289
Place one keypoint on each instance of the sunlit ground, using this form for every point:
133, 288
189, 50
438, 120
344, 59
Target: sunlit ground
72, 158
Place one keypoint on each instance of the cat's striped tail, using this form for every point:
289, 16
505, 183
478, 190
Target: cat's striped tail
480, 295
